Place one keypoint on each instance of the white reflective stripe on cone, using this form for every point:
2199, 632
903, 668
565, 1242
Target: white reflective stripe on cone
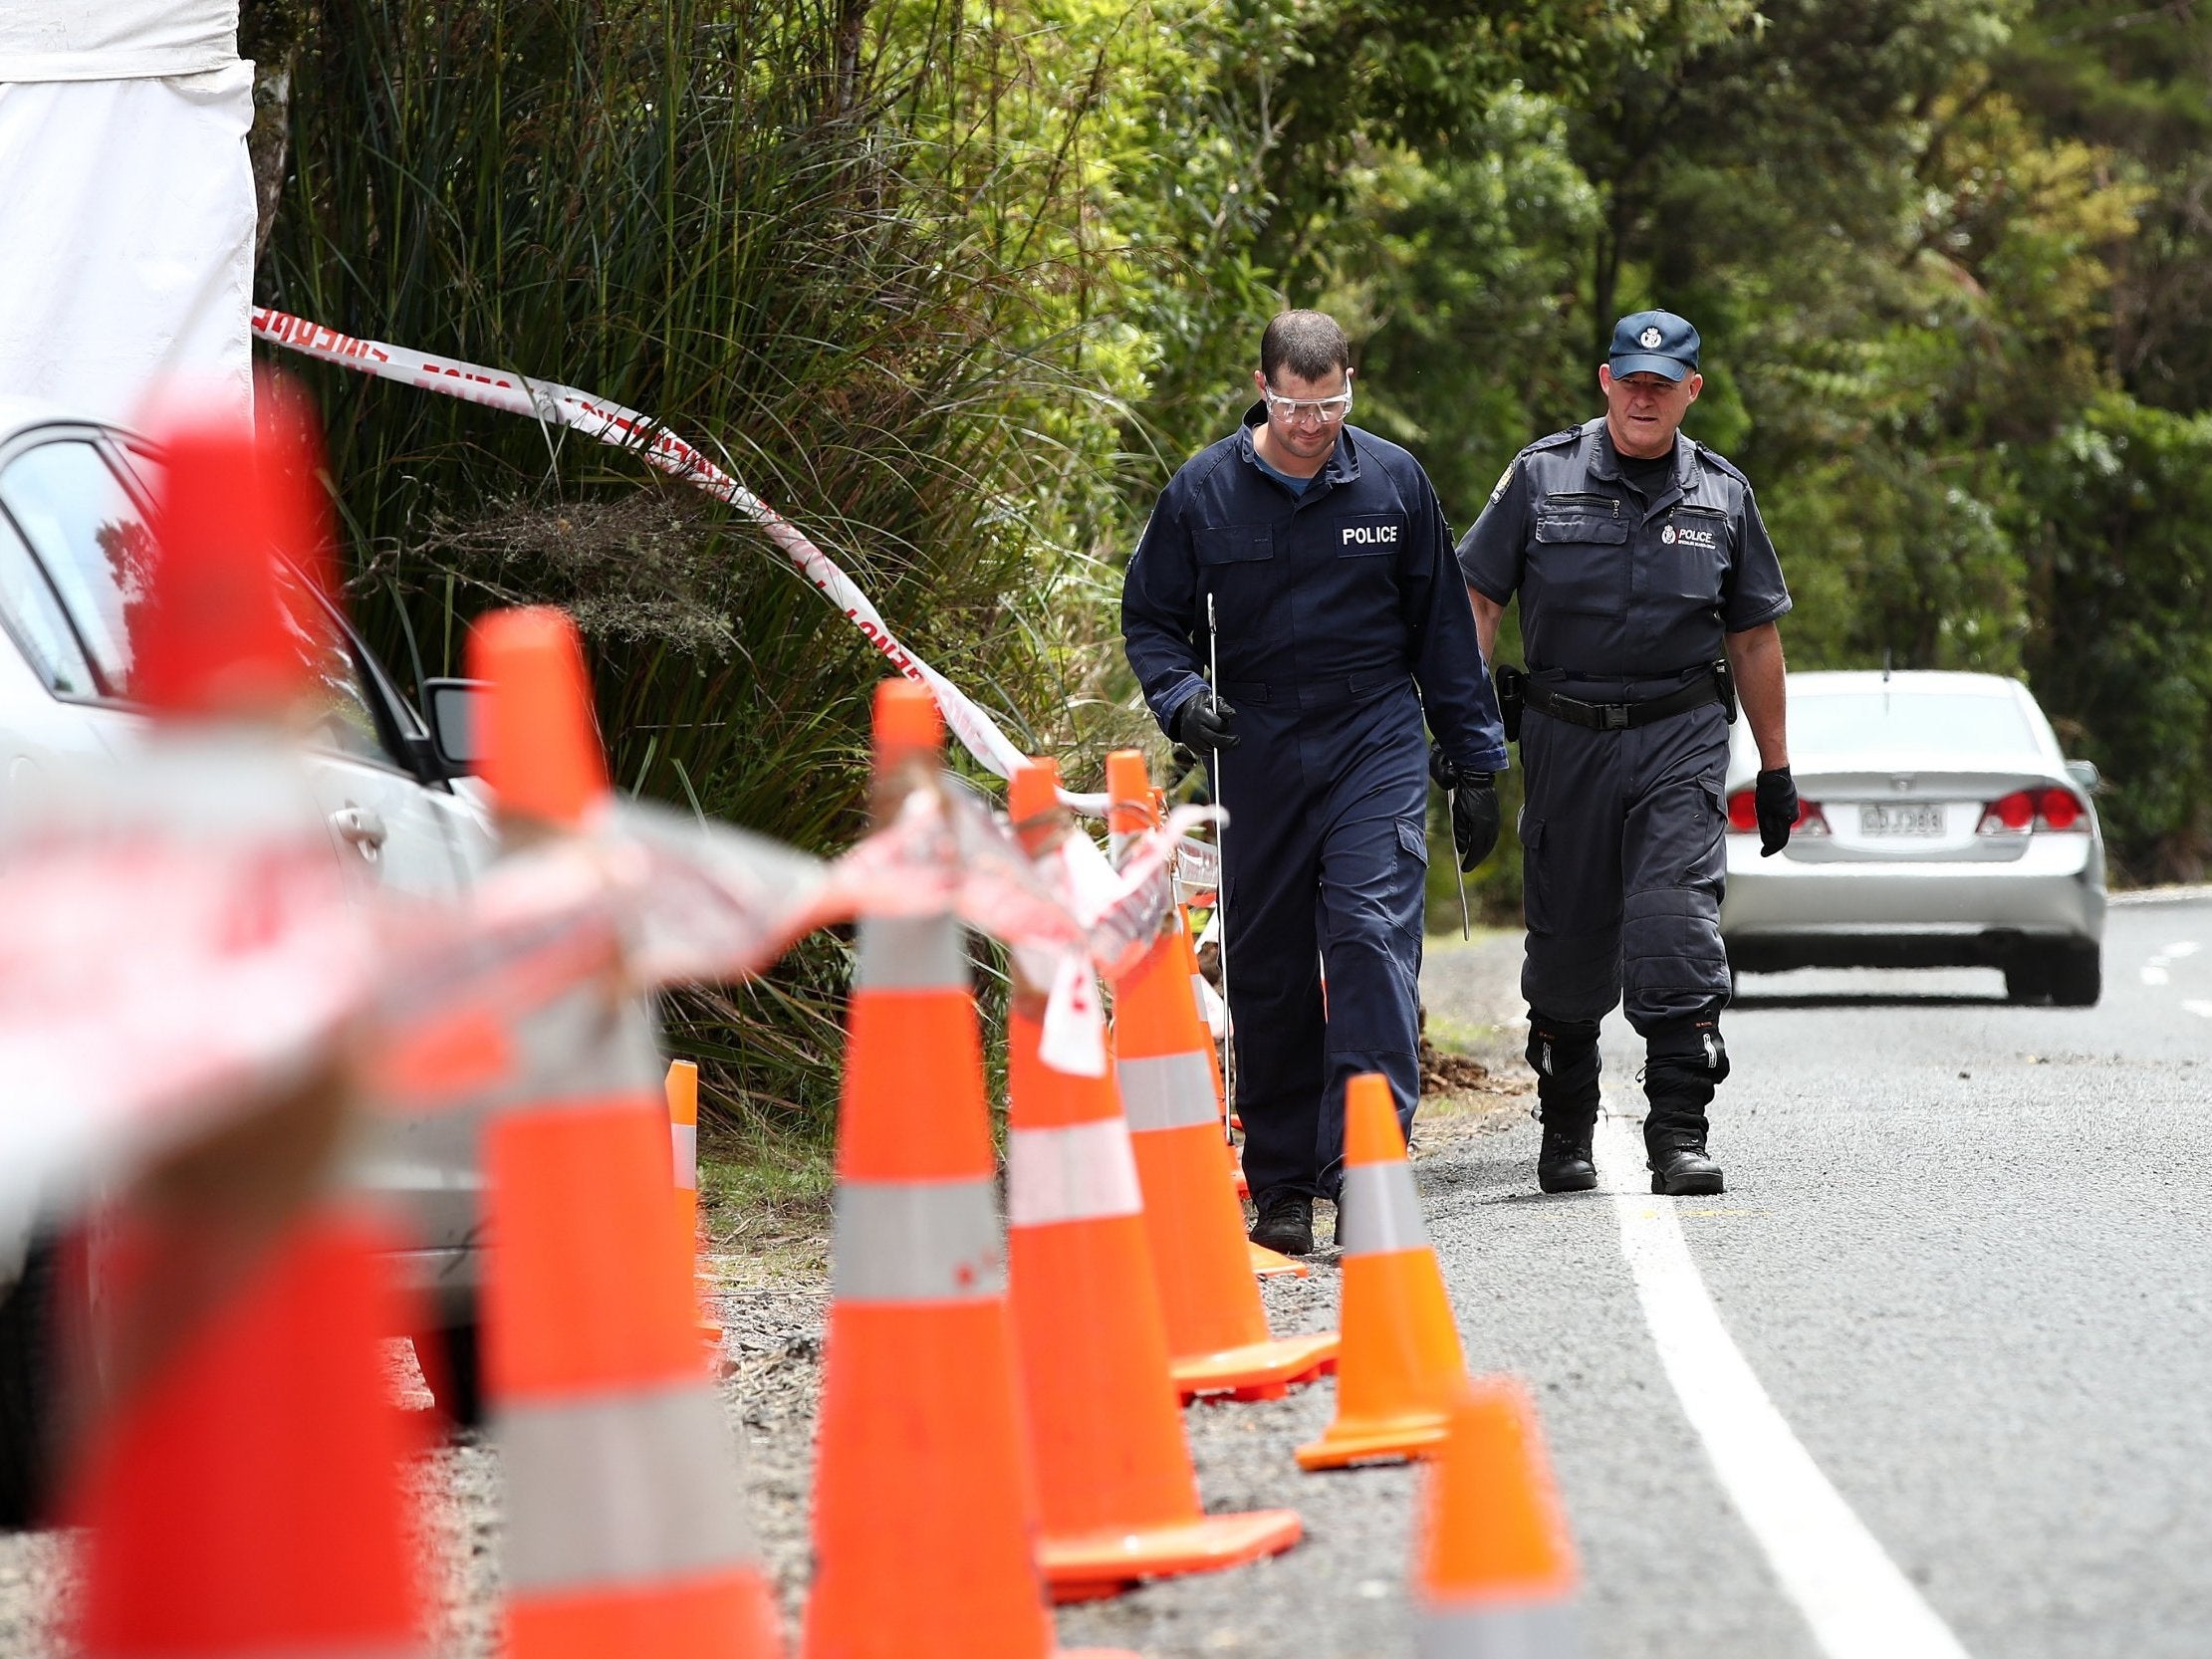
1379, 1210
911, 953
630, 1489
1544, 1631
1167, 1091
1084, 1172
582, 1049
683, 1144
917, 1241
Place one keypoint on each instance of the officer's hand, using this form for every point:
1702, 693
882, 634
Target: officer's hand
1776, 796
1474, 819
1441, 769
1203, 723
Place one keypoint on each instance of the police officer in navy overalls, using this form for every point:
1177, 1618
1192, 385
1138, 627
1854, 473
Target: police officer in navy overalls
1647, 582
1340, 620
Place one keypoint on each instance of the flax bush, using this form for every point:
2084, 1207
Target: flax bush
815, 238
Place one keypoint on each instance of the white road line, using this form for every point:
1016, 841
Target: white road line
2154, 971
1858, 1605
2198, 1007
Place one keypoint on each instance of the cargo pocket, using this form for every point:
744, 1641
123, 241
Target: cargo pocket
1233, 543
1413, 838
1581, 562
1716, 849
1536, 910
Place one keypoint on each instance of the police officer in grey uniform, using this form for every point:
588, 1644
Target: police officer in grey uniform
1647, 584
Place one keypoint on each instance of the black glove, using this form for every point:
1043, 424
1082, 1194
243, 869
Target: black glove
1441, 769
1775, 797
1474, 819
1202, 723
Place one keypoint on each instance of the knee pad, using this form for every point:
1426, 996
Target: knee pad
1564, 1053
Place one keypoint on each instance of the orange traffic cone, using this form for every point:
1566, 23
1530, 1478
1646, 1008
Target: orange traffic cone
1266, 1263
626, 1529
242, 1496
246, 1498
682, 1085
1217, 1335
1403, 1365
1496, 1568
1119, 1499
925, 1516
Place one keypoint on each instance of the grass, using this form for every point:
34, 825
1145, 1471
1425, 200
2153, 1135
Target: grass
791, 242
766, 1200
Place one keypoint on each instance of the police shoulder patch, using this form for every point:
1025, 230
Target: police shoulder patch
1504, 478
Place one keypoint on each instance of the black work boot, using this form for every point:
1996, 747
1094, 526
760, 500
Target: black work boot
1564, 1055
1284, 1223
1565, 1162
1684, 1063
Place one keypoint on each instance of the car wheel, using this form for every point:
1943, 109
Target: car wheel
2076, 973
2028, 979
452, 1368
28, 1355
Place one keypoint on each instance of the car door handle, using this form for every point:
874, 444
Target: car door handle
362, 827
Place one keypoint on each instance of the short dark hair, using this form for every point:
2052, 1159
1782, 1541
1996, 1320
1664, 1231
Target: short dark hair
1307, 343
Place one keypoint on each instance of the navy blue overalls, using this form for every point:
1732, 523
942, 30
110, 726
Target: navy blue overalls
1333, 608
1625, 601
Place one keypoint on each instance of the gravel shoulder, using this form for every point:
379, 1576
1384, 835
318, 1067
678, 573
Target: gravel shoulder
1341, 1595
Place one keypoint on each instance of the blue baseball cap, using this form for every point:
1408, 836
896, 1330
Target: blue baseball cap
1655, 342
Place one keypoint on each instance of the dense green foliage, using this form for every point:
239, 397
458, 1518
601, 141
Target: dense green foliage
782, 233
958, 286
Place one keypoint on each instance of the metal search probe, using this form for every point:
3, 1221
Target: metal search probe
1221, 893
1451, 806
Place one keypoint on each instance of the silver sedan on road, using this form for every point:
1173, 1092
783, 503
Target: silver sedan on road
1941, 826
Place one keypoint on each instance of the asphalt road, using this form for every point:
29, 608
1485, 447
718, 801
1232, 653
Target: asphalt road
1931, 1378
1964, 1249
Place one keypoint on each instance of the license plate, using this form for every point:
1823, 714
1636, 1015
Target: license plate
1901, 821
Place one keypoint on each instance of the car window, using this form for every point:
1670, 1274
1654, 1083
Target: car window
34, 617
1909, 722
344, 717
91, 539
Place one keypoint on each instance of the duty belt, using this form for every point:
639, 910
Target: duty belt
1619, 717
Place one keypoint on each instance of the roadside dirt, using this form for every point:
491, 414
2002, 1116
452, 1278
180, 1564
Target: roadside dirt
1338, 1595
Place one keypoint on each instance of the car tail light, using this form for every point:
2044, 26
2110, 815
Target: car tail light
2024, 810
2059, 810
1743, 816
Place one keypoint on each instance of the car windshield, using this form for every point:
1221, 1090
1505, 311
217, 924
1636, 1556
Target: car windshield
1909, 722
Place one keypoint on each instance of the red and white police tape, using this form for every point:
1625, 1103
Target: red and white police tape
180, 943
550, 403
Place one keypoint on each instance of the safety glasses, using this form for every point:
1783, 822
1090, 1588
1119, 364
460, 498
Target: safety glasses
1327, 410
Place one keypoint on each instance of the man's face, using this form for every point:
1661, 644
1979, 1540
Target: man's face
1307, 433
1645, 410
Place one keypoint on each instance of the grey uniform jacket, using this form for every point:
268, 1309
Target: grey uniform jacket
1611, 588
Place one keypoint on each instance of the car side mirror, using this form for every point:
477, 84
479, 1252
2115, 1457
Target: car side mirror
451, 709
2086, 774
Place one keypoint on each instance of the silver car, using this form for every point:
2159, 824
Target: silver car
1941, 826
399, 811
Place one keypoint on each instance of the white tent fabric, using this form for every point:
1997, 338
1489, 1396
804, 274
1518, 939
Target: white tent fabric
126, 202
116, 40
